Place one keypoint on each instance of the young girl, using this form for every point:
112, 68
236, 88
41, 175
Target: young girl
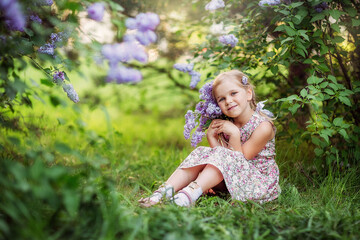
241, 156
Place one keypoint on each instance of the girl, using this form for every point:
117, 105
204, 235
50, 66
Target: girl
241, 156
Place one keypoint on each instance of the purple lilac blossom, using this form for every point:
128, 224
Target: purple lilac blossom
190, 123
44, 2
124, 52
56, 37
96, 11
321, 7
195, 79
145, 24
35, 18
215, 4
262, 3
71, 93
14, 18
197, 137
47, 49
184, 67
205, 111
123, 74
59, 77
228, 39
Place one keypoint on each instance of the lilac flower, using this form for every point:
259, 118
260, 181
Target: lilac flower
206, 92
56, 37
205, 111
146, 37
35, 18
47, 49
183, 67
320, 7
59, 77
71, 93
197, 137
96, 11
228, 39
124, 52
145, 24
189, 123
44, 2
215, 4
14, 17
124, 75
195, 79
262, 3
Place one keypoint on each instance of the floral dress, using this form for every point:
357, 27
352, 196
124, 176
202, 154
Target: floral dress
255, 179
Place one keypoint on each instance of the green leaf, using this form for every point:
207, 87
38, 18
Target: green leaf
286, 40
318, 16
338, 121
329, 91
332, 78
355, 22
351, 11
294, 108
317, 33
279, 28
285, 12
300, 52
46, 82
115, 6
316, 141
336, 27
336, 13
324, 84
345, 100
325, 137
274, 69
344, 133
323, 67
296, 4
318, 151
334, 86
303, 92
290, 31
314, 80
337, 39
303, 34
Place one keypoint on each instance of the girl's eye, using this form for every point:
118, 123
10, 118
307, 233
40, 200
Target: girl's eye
221, 99
233, 93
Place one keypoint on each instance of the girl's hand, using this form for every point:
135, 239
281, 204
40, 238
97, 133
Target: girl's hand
224, 126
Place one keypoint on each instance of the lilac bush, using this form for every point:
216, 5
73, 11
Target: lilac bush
229, 39
188, 68
145, 24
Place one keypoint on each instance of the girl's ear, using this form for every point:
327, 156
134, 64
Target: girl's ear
249, 94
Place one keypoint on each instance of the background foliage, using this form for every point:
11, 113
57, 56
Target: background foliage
76, 171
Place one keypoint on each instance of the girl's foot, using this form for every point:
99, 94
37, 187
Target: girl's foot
188, 195
164, 191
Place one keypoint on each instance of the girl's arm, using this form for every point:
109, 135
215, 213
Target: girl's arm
258, 139
261, 135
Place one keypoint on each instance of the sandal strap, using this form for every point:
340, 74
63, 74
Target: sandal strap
187, 195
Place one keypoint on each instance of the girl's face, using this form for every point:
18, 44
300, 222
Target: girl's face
233, 100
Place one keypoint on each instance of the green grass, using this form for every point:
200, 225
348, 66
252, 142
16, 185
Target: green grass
138, 152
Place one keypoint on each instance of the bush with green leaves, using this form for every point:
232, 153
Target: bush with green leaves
307, 53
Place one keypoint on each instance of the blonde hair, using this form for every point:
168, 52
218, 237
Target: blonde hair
238, 76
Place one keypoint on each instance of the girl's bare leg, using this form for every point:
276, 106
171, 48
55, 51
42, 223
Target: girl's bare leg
183, 176
209, 177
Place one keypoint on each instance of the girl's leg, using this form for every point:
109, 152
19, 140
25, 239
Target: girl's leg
183, 176
179, 179
209, 177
